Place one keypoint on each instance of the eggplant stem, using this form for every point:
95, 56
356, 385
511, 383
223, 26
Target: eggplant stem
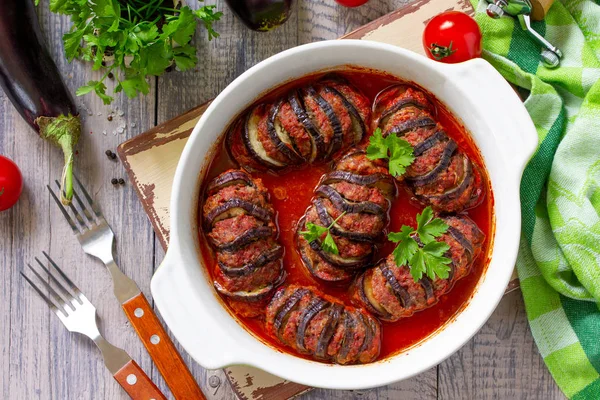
63, 131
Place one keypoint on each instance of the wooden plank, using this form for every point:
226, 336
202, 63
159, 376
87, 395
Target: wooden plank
501, 362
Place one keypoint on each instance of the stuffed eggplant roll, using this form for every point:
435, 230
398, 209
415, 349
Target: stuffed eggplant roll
321, 326
442, 175
353, 202
306, 125
390, 292
239, 223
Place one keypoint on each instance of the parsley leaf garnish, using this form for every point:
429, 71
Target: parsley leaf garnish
397, 150
315, 232
425, 256
132, 40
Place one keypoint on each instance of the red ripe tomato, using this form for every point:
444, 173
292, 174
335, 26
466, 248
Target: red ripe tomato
351, 3
11, 183
452, 37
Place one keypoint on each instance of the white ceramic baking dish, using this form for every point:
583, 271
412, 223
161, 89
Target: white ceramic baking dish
473, 91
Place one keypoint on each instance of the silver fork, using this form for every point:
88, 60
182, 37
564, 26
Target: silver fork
98, 240
79, 315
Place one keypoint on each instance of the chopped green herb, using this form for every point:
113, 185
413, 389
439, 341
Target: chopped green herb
132, 39
315, 232
397, 150
428, 256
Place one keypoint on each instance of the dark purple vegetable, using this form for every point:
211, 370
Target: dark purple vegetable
251, 137
32, 82
316, 305
234, 207
346, 205
229, 178
246, 238
280, 138
246, 269
385, 183
318, 145
442, 165
338, 230
336, 140
261, 15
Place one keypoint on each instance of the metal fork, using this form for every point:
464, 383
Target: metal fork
79, 315
98, 240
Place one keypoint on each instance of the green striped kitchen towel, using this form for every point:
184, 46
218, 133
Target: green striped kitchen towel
559, 257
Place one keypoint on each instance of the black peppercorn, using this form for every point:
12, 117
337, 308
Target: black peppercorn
114, 181
110, 118
121, 181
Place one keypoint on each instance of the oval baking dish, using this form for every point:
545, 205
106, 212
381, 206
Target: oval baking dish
471, 90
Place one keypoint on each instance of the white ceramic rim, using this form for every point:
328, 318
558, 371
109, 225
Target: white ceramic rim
189, 304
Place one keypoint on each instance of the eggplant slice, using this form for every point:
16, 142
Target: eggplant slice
406, 111
249, 268
320, 121
390, 292
344, 335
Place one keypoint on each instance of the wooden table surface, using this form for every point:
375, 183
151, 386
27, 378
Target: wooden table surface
40, 359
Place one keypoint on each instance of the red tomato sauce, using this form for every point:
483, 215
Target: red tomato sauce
291, 193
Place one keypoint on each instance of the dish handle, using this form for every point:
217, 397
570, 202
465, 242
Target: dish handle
185, 310
497, 101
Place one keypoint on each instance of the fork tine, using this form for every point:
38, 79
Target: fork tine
68, 296
89, 216
93, 205
43, 296
63, 275
75, 212
60, 302
63, 211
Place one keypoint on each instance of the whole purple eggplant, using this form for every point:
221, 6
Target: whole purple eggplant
261, 15
32, 82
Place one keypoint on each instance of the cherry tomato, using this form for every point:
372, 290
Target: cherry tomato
452, 37
351, 3
11, 183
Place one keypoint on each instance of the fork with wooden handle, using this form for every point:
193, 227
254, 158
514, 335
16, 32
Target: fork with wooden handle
98, 240
79, 315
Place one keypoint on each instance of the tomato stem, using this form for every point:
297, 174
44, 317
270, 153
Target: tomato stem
440, 52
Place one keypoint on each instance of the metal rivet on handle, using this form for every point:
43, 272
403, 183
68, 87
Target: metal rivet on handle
138, 312
214, 381
154, 339
131, 379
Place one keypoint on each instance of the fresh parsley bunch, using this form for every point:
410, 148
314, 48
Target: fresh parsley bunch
397, 150
426, 257
142, 38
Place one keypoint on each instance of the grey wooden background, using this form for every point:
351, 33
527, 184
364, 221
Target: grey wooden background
41, 360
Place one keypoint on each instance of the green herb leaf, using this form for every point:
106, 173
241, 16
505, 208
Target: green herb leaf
329, 244
397, 150
315, 232
133, 39
429, 228
427, 257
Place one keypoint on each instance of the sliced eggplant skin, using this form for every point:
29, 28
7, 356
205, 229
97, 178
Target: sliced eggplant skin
383, 182
224, 211
261, 261
336, 126
248, 237
305, 303
465, 240
442, 165
282, 147
348, 206
403, 111
251, 141
319, 151
240, 273
326, 334
358, 125
336, 229
286, 149
229, 178
316, 305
